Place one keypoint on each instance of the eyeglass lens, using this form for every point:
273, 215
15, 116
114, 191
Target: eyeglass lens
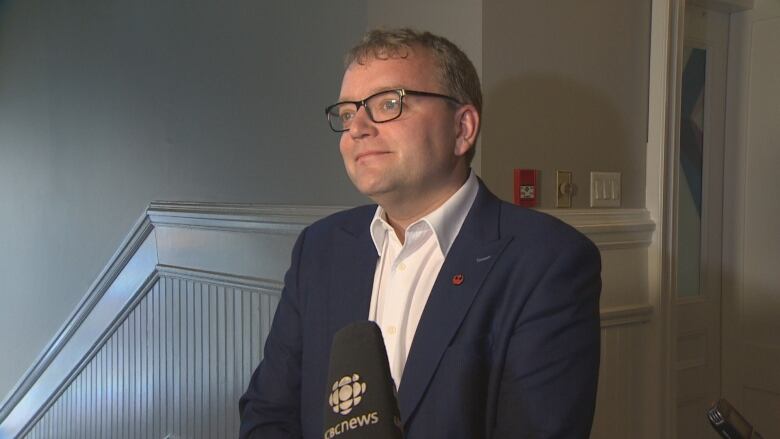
381, 107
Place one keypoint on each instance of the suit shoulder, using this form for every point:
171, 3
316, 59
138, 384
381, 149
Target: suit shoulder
532, 226
353, 220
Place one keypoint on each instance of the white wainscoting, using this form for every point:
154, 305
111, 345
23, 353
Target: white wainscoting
165, 341
623, 236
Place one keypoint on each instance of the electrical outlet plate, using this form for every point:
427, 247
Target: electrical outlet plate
565, 188
605, 189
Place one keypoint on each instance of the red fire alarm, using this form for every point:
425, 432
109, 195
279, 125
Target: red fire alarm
526, 189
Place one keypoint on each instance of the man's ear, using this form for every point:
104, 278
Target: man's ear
466, 129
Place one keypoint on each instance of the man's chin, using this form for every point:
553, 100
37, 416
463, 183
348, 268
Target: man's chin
377, 193
373, 193
370, 187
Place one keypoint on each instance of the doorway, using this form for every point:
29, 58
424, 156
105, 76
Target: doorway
698, 220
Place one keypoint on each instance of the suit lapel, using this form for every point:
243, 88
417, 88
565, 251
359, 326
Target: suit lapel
471, 257
352, 275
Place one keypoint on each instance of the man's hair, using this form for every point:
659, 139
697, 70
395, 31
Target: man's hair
456, 72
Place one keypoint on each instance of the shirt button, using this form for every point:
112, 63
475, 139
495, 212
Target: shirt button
391, 330
401, 266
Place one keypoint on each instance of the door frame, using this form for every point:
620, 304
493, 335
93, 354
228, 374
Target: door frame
666, 50
666, 44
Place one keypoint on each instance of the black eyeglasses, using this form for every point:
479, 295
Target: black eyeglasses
380, 107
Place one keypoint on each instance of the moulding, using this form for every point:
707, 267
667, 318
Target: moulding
107, 276
626, 315
666, 37
129, 271
608, 228
727, 6
235, 216
262, 285
76, 369
265, 285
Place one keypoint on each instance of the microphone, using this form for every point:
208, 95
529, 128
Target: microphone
361, 401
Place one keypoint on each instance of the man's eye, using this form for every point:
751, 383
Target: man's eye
389, 105
346, 115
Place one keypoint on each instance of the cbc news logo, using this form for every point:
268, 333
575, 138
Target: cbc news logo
346, 393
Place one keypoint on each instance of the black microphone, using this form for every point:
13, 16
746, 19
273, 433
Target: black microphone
361, 400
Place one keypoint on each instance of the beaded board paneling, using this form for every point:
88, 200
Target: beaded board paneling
176, 365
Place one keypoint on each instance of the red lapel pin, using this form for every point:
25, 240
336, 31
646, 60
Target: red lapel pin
457, 279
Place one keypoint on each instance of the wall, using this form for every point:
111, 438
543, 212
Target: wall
108, 105
566, 86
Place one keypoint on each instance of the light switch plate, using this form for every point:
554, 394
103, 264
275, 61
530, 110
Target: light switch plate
605, 189
564, 188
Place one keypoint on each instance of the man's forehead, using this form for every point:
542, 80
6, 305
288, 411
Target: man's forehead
372, 75
372, 53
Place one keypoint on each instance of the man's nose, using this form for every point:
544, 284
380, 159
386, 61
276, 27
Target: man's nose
362, 125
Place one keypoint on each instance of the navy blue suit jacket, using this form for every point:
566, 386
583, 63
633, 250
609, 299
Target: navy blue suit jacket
511, 352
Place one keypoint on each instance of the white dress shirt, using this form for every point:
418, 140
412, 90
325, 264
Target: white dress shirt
405, 273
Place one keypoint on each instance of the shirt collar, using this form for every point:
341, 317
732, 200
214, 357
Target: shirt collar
445, 221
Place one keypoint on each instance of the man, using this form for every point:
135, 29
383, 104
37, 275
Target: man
489, 311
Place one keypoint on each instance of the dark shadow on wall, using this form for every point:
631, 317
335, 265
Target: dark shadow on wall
550, 122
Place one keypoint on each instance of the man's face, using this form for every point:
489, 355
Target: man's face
411, 159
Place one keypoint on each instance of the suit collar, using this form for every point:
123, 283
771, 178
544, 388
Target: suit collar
471, 257
481, 220
352, 272
473, 254
445, 221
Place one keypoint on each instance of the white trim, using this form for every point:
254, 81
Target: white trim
727, 6
663, 111
233, 216
75, 370
81, 336
269, 286
734, 196
626, 315
608, 228
96, 291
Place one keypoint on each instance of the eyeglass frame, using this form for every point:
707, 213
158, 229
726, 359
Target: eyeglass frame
402, 92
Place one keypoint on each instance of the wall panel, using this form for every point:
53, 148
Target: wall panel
177, 364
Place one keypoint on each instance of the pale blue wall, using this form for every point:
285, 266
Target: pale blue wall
106, 105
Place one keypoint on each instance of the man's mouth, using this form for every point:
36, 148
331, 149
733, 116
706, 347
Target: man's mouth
369, 154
